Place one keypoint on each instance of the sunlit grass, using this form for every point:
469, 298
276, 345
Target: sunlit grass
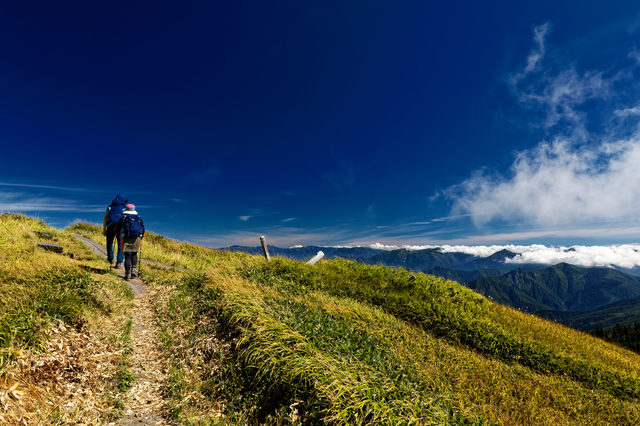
282, 342
39, 288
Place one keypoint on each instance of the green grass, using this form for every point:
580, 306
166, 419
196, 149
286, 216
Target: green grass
39, 288
281, 342
447, 310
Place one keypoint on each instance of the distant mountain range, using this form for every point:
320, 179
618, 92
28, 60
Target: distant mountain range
624, 311
582, 298
428, 259
562, 287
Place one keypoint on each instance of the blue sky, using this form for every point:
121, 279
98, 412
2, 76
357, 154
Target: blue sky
326, 123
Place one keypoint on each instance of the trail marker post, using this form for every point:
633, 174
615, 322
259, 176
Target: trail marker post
264, 248
315, 258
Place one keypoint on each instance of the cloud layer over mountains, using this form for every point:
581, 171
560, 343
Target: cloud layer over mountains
625, 256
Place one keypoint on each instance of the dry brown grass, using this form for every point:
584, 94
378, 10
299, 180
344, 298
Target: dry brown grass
59, 366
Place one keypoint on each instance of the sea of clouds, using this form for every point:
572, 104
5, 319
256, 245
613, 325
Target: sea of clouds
624, 256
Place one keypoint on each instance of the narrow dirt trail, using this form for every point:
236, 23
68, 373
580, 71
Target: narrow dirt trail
144, 403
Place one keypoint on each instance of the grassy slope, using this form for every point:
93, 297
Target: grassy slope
39, 290
280, 342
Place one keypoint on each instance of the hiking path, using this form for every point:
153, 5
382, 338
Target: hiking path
144, 403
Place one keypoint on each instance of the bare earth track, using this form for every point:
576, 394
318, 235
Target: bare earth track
145, 402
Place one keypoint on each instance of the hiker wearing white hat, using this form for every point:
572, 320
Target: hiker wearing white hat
132, 228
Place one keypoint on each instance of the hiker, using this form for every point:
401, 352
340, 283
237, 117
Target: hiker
131, 230
114, 213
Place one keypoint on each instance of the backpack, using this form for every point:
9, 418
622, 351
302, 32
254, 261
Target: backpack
116, 211
132, 225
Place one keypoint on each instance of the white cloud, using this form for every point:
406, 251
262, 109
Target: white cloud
253, 213
537, 53
574, 177
626, 256
59, 188
558, 95
18, 202
628, 112
558, 184
277, 236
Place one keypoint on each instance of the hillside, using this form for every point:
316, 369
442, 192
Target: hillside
624, 311
418, 260
64, 329
562, 287
495, 261
464, 277
254, 342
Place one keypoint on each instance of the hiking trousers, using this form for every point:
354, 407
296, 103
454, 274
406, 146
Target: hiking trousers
111, 234
130, 261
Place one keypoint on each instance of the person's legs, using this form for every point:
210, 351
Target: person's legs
120, 253
134, 264
111, 233
127, 265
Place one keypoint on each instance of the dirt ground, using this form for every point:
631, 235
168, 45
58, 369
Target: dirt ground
145, 403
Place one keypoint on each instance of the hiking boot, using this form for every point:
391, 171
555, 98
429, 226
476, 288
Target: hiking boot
118, 265
127, 277
134, 272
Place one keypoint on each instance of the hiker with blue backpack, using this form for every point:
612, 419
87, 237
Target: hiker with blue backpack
114, 213
131, 228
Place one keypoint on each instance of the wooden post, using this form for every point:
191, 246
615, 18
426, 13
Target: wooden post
264, 248
315, 258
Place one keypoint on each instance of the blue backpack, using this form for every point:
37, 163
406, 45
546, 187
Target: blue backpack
116, 211
132, 226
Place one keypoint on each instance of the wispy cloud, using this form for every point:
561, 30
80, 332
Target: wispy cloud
536, 55
58, 188
277, 236
254, 213
19, 202
576, 176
